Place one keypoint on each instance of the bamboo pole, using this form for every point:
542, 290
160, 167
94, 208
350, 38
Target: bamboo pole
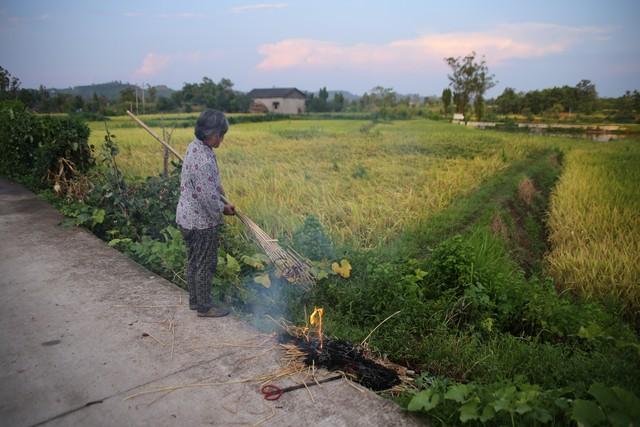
153, 134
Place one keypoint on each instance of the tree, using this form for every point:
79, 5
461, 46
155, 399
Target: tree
166, 104
509, 102
318, 103
152, 93
9, 84
478, 106
338, 102
446, 99
469, 79
127, 95
587, 96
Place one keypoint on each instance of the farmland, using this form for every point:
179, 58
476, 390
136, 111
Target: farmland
511, 260
366, 182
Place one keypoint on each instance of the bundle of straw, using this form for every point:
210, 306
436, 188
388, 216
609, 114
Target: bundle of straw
287, 262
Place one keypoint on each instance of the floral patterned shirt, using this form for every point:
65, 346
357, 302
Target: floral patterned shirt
200, 205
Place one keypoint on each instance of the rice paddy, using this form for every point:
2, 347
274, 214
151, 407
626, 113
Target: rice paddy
595, 223
367, 181
364, 182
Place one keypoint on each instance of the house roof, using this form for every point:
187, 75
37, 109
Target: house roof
276, 92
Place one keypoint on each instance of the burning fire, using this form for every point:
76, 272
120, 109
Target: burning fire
316, 320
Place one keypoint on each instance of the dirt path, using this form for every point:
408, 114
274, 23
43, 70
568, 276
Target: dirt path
82, 327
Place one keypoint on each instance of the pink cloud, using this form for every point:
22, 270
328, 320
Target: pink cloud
505, 42
152, 64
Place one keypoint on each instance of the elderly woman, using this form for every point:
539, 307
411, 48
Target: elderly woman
200, 211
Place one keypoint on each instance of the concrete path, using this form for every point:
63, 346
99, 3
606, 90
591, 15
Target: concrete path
82, 327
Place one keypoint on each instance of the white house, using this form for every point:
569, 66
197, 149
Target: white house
277, 100
458, 118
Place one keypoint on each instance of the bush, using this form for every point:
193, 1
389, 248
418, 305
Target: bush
311, 240
32, 146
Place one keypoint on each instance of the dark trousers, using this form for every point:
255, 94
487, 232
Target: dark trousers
202, 260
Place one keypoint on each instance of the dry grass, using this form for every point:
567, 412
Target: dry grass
527, 191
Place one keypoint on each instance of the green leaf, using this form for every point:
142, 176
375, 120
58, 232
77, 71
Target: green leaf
487, 413
98, 216
604, 395
232, 264
587, 413
590, 332
541, 415
263, 279
629, 402
253, 261
523, 408
457, 393
426, 400
562, 403
469, 411
115, 242
420, 274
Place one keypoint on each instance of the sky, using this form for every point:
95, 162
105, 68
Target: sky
343, 45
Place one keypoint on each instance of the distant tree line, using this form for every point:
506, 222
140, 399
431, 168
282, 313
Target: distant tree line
322, 104
581, 98
469, 81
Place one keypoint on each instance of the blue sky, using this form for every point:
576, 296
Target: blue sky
350, 45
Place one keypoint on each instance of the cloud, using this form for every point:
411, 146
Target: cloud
18, 20
173, 15
155, 63
505, 42
258, 6
179, 15
152, 64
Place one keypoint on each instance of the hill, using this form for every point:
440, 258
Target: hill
109, 90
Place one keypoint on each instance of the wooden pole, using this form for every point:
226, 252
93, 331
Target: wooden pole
165, 157
153, 134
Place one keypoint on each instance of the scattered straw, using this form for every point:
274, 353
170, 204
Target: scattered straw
380, 324
144, 334
308, 391
351, 383
185, 386
147, 306
273, 414
172, 327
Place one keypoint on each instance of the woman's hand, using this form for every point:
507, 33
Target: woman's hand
229, 209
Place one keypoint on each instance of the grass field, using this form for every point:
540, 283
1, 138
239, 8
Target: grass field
364, 181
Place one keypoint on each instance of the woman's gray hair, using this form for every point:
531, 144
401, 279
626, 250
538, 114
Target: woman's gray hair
211, 122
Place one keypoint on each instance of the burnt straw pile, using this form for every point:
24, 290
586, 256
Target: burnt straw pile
343, 356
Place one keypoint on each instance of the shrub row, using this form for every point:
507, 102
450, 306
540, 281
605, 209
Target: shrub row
32, 145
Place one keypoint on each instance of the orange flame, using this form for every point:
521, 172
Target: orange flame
316, 320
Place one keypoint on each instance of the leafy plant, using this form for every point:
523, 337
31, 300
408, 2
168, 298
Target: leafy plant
311, 240
32, 145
